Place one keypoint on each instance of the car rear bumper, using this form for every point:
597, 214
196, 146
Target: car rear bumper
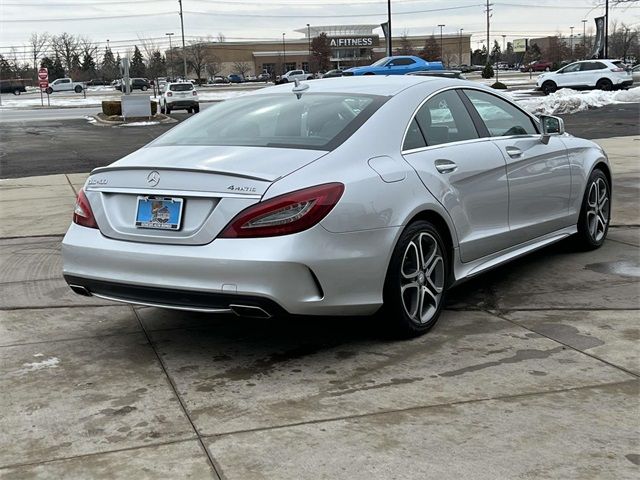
310, 273
182, 104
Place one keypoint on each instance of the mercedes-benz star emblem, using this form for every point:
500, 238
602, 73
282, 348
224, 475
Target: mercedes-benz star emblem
153, 178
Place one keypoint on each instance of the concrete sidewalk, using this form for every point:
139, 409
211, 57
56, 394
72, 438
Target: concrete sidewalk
531, 373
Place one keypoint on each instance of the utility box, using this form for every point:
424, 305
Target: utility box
136, 106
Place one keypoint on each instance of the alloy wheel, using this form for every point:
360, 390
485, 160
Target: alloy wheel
598, 208
422, 278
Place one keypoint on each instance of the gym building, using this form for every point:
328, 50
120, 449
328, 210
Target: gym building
351, 45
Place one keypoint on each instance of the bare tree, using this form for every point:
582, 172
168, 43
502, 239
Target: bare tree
37, 43
213, 66
221, 37
149, 47
198, 55
242, 68
67, 47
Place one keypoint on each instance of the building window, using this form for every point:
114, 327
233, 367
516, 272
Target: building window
289, 66
269, 68
305, 66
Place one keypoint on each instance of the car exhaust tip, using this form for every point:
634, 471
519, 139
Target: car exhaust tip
249, 311
80, 290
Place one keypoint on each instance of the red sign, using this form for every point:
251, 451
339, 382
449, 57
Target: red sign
43, 74
43, 84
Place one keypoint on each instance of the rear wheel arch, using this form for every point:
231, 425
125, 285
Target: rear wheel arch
442, 226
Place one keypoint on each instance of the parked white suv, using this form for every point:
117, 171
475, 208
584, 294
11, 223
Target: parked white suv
587, 74
293, 75
179, 96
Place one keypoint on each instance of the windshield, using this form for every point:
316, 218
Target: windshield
181, 87
380, 62
319, 121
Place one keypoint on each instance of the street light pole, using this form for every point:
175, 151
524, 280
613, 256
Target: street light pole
309, 45
460, 47
571, 42
606, 29
284, 56
441, 47
170, 54
584, 39
389, 48
184, 49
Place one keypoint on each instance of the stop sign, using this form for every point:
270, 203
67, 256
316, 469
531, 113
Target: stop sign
43, 74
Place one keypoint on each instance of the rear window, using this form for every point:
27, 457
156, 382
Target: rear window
319, 121
181, 87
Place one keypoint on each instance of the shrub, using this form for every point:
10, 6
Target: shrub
487, 71
114, 107
111, 107
499, 86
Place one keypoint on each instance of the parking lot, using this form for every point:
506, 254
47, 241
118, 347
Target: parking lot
532, 372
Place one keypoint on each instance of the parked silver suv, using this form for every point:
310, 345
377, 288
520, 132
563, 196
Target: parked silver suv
587, 74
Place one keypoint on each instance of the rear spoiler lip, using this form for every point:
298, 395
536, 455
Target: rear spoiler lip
184, 169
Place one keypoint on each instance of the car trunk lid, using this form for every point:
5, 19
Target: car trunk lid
207, 185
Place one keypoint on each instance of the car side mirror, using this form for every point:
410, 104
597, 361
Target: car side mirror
551, 126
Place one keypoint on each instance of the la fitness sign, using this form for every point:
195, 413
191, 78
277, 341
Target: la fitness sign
338, 42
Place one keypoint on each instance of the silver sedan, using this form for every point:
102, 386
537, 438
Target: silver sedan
344, 196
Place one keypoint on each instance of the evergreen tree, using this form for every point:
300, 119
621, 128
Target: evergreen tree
137, 67
320, 53
54, 66
431, 50
405, 46
157, 65
109, 69
88, 66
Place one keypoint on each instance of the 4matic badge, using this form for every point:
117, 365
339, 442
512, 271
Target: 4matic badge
237, 188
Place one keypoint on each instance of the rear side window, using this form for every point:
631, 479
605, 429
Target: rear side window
499, 116
442, 119
181, 87
402, 61
588, 66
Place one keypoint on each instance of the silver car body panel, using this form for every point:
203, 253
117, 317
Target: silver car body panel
339, 266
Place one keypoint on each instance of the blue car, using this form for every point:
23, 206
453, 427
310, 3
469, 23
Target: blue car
395, 66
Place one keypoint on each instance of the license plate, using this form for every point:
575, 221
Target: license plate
161, 213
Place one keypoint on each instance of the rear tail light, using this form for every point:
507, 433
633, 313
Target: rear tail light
169, 94
286, 214
617, 69
82, 214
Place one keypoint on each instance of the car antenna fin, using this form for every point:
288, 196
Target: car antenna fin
299, 88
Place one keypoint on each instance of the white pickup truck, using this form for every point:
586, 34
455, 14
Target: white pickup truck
64, 85
293, 75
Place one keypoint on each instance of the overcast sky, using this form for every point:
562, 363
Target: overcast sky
123, 22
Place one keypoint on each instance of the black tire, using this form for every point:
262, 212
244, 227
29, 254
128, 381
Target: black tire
49, 90
78, 89
596, 207
144, 88
189, 110
401, 313
16, 92
604, 84
549, 87
547, 69
196, 108
162, 109
168, 109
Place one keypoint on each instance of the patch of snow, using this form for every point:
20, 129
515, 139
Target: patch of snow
35, 366
567, 101
38, 354
139, 124
90, 119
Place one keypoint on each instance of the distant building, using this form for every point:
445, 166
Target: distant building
351, 45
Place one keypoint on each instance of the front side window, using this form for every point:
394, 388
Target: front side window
499, 116
319, 121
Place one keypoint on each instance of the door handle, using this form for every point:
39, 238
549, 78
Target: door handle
445, 166
514, 152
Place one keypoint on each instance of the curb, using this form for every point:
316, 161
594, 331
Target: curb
157, 119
